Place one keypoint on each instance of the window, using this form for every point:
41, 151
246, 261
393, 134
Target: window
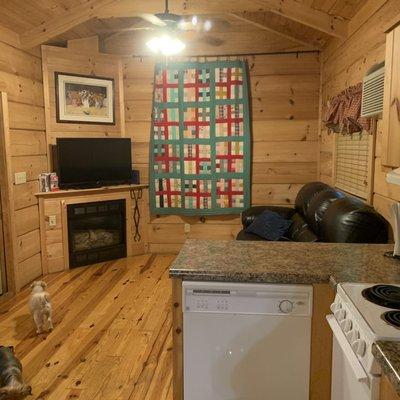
354, 164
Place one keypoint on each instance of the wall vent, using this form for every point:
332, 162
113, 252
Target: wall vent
372, 93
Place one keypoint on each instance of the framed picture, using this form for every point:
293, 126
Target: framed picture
84, 99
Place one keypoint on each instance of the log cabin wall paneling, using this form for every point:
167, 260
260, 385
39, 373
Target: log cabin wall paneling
78, 59
285, 105
81, 57
21, 79
344, 63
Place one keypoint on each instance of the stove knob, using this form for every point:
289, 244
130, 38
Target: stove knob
286, 306
359, 347
335, 306
352, 336
340, 315
346, 325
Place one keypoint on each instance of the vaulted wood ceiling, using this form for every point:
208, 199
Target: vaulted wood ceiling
239, 26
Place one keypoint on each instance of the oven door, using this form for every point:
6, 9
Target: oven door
349, 379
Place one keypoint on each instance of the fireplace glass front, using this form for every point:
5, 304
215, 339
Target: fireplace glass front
96, 232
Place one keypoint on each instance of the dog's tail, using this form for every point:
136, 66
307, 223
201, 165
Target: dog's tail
15, 392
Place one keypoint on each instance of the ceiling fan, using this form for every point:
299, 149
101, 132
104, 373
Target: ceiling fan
174, 22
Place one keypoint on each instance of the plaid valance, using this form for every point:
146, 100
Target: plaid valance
344, 112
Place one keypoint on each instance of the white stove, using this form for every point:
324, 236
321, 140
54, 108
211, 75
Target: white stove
356, 324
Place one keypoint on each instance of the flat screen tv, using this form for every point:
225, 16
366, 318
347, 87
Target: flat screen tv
93, 162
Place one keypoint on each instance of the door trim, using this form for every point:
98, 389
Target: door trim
7, 199
3, 273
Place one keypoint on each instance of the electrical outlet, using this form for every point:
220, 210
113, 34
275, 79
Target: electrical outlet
20, 178
52, 220
187, 228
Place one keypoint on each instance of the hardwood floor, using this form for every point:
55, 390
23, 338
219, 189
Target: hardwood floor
112, 338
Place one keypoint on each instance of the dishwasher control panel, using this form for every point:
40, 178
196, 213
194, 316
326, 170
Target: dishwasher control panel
235, 298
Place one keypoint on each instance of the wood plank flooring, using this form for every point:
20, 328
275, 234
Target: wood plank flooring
112, 338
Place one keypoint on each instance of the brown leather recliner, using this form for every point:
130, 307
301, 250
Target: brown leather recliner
325, 214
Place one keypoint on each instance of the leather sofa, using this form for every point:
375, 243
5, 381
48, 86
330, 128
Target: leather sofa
325, 214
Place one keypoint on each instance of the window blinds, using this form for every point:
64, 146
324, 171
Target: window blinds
353, 163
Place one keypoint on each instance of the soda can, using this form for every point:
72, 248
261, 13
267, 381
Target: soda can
53, 182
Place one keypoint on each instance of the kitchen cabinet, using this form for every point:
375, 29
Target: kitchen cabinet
391, 106
387, 390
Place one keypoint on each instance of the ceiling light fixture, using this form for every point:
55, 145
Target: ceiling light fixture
166, 45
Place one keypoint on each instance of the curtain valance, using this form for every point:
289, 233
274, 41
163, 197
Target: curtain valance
344, 112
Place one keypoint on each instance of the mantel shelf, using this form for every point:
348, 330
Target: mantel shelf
99, 190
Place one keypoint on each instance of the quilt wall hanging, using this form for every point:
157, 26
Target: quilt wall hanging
200, 139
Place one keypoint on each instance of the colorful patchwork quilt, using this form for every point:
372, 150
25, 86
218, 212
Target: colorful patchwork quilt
200, 139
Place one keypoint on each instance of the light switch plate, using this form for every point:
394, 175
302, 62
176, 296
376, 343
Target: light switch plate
20, 178
52, 220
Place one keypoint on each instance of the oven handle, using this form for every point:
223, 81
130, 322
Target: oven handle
357, 368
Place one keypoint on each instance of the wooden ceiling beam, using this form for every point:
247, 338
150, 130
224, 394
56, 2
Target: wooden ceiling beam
61, 24
10, 37
258, 20
233, 42
290, 9
308, 16
130, 8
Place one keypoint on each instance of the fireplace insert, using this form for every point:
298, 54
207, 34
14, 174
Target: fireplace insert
96, 232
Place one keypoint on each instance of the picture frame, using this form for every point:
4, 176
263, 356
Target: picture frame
84, 99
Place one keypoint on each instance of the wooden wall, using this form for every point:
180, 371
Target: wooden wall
345, 63
21, 79
285, 103
285, 122
29, 85
79, 60
80, 57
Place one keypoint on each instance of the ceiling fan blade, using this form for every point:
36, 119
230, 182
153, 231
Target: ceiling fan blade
187, 26
153, 19
133, 28
220, 24
212, 40
204, 25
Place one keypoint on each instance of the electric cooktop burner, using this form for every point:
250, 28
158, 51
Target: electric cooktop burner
392, 318
383, 295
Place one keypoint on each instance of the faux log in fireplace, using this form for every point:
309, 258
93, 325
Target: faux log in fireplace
96, 232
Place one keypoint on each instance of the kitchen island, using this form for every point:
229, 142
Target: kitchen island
285, 262
321, 265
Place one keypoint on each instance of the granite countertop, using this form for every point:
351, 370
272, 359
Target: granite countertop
388, 356
294, 263
285, 262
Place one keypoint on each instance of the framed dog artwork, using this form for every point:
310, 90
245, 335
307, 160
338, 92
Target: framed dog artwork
84, 99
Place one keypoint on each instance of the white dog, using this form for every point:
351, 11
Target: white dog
40, 307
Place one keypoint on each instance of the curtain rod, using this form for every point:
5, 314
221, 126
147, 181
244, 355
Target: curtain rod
238, 54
